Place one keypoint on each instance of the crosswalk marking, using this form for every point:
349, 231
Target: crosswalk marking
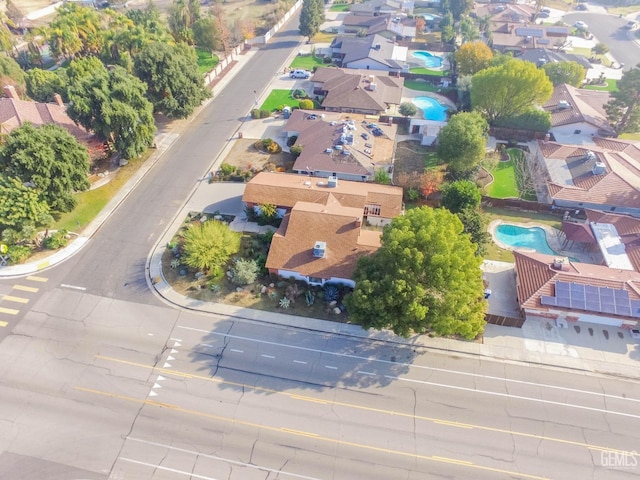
3, 324
37, 279
10, 298
25, 289
9, 311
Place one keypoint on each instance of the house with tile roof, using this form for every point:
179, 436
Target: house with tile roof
324, 230
357, 91
556, 289
373, 52
382, 7
541, 56
578, 115
628, 231
340, 145
388, 26
518, 37
603, 176
14, 112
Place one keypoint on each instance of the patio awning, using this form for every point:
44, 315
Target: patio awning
578, 232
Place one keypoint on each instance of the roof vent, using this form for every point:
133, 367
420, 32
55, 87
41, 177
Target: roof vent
599, 168
338, 147
589, 155
328, 150
560, 263
307, 184
345, 152
376, 46
321, 184
372, 86
333, 181
319, 249
563, 105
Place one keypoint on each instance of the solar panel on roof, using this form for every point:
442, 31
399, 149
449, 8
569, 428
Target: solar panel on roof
577, 290
621, 294
606, 292
563, 301
547, 300
591, 291
578, 303
529, 32
608, 308
592, 304
623, 310
544, 41
562, 289
635, 308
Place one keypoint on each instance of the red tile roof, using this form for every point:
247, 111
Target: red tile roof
582, 106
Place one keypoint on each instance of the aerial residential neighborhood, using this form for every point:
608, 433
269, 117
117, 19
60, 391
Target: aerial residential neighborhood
319, 239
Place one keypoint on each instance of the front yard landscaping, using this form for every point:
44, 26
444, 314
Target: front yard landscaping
206, 62
611, 86
426, 71
279, 98
307, 62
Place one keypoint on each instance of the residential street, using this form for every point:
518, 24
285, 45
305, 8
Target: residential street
99, 379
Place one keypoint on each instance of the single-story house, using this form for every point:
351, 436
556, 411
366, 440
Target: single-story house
324, 230
388, 26
577, 115
557, 289
605, 176
504, 12
382, 7
627, 228
515, 37
373, 52
346, 146
541, 56
357, 91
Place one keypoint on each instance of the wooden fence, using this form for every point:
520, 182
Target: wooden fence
504, 321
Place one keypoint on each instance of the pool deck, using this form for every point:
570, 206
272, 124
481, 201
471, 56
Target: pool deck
554, 239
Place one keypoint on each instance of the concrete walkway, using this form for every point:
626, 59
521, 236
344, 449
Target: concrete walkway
590, 350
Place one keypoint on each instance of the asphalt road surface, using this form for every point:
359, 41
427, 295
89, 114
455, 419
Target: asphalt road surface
100, 380
96, 388
609, 29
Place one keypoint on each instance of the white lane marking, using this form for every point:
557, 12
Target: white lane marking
166, 365
160, 378
74, 287
300, 361
233, 462
156, 385
331, 367
166, 469
366, 373
153, 394
434, 369
237, 351
175, 339
173, 350
517, 397
267, 356
169, 358
202, 345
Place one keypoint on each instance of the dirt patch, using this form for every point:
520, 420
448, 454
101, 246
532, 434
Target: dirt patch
409, 157
245, 156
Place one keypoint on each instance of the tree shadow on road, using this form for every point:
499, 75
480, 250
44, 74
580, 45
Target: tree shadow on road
271, 358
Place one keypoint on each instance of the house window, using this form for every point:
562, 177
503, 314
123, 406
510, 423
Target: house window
372, 210
315, 280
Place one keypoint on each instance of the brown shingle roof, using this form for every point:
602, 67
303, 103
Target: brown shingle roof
581, 106
285, 190
292, 245
536, 277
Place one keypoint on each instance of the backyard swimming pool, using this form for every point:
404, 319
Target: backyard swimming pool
431, 108
429, 60
534, 238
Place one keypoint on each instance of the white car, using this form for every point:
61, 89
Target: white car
581, 25
299, 74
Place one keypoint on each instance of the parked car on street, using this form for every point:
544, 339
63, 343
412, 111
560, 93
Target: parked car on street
581, 6
581, 25
631, 25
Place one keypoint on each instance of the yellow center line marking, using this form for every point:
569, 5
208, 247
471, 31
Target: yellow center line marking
176, 373
335, 441
10, 298
25, 289
9, 311
3, 324
37, 279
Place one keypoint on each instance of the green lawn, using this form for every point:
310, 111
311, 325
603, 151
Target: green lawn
612, 86
91, 202
324, 37
426, 71
206, 62
277, 98
586, 52
504, 181
307, 62
630, 136
340, 7
422, 86
432, 161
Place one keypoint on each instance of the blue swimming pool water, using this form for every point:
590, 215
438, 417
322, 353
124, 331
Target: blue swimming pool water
431, 108
534, 238
430, 60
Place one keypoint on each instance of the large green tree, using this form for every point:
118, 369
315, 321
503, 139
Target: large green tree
175, 87
462, 142
472, 57
425, 277
460, 195
311, 17
509, 89
48, 158
12, 74
112, 104
565, 72
623, 109
42, 85
76, 30
209, 246
181, 16
457, 7
206, 34
20, 205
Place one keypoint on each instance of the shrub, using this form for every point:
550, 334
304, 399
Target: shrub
245, 272
227, 169
413, 194
265, 113
274, 148
331, 293
56, 240
326, 60
296, 150
382, 177
18, 253
208, 246
255, 113
306, 104
536, 120
265, 238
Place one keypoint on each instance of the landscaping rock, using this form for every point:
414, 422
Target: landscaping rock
199, 275
203, 218
333, 303
337, 311
263, 289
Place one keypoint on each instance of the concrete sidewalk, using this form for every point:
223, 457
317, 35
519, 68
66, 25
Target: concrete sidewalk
589, 350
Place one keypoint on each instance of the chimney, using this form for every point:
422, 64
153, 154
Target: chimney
58, 99
10, 92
